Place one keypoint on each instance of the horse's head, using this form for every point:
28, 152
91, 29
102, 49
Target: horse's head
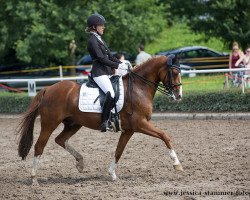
171, 78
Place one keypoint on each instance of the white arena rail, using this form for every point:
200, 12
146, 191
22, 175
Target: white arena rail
207, 71
32, 90
32, 82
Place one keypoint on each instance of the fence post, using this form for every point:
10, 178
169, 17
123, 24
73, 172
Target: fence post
243, 84
226, 81
32, 88
60, 71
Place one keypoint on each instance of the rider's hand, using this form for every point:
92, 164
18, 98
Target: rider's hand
123, 65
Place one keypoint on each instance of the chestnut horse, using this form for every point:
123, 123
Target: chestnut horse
59, 104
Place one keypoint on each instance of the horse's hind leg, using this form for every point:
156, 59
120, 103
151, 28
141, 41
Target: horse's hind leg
124, 138
62, 140
46, 131
149, 129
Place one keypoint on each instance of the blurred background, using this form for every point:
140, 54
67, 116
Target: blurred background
41, 31
38, 36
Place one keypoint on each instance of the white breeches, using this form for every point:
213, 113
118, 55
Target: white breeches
104, 83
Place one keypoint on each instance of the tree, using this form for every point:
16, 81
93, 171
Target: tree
227, 19
132, 22
40, 31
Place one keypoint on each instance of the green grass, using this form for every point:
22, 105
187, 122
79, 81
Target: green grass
203, 83
180, 35
9, 94
207, 83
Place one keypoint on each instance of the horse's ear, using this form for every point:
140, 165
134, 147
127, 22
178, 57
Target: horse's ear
170, 59
173, 61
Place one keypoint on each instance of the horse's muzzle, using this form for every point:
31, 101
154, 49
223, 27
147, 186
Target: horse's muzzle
179, 97
176, 98
177, 94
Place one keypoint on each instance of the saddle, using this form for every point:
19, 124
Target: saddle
115, 84
115, 122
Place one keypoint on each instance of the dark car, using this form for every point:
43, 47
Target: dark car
29, 71
199, 57
84, 63
87, 60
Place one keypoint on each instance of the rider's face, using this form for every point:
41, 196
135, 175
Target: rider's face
100, 29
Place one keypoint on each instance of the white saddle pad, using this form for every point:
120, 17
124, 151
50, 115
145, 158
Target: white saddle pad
89, 95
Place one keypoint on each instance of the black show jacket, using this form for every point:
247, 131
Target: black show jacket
103, 60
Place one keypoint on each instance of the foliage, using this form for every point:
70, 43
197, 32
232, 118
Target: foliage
211, 101
220, 101
40, 31
132, 22
179, 35
227, 19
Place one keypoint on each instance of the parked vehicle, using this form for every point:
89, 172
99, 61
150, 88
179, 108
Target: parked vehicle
84, 64
87, 60
199, 57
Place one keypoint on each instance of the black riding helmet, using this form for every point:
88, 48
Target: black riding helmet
95, 20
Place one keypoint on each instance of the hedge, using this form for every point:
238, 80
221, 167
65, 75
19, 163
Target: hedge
14, 103
219, 101
223, 101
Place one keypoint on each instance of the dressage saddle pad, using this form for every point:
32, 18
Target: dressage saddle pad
90, 101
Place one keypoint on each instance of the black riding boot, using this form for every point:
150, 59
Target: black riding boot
107, 106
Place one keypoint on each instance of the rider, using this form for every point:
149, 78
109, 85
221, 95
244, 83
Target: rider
103, 64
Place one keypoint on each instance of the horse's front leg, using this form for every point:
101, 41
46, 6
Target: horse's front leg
124, 138
148, 128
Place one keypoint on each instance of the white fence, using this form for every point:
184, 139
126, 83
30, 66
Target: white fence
32, 82
207, 71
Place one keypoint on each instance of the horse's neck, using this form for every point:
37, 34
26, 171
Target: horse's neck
150, 77
149, 71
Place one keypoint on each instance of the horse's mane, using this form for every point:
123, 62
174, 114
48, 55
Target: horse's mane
150, 62
146, 63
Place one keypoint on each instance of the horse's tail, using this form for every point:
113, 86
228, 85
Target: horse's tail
27, 125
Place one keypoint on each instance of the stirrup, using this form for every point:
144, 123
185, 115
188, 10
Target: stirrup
116, 122
106, 126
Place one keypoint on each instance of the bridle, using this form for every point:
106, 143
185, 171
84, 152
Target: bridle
167, 88
170, 85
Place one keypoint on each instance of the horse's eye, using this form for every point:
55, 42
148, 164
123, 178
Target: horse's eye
176, 71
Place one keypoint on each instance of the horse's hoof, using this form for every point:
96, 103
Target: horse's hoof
114, 178
35, 183
113, 175
79, 166
178, 168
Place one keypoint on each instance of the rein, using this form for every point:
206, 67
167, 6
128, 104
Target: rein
158, 86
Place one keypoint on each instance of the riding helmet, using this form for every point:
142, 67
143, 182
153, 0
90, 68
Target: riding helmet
95, 20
